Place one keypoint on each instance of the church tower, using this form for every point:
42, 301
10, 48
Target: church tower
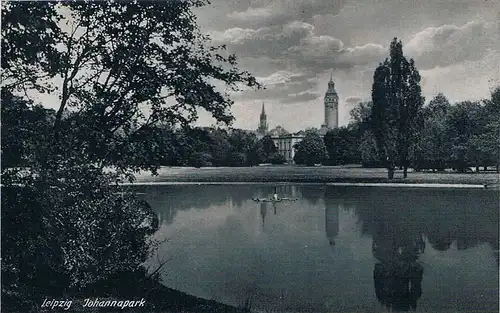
263, 121
331, 106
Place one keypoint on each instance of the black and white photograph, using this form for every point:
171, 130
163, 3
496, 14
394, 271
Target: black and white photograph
250, 156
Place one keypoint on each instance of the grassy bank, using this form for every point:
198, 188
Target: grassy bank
299, 174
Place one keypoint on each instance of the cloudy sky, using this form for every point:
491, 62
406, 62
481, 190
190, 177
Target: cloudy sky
292, 46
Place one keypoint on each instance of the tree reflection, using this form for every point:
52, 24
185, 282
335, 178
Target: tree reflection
312, 194
397, 275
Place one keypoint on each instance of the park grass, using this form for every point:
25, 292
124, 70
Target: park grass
302, 174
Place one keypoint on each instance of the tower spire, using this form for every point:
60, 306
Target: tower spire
331, 76
263, 120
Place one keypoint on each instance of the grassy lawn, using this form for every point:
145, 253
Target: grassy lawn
318, 174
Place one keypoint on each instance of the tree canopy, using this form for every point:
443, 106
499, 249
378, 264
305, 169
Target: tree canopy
123, 79
118, 69
311, 150
397, 104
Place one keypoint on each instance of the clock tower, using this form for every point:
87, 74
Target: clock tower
331, 106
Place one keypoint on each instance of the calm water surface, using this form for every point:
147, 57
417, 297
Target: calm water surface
336, 249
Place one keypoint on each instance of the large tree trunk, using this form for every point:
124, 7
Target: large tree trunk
405, 171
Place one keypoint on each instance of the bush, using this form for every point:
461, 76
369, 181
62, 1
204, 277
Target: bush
236, 159
277, 158
61, 234
200, 159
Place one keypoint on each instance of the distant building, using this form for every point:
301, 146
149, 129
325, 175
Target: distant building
331, 102
331, 106
286, 141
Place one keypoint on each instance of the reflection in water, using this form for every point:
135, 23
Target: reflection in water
221, 251
331, 222
313, 194
331, 216
397, 244
397, 275
263, 212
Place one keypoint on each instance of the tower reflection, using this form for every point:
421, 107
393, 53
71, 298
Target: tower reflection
331, 222
331, 215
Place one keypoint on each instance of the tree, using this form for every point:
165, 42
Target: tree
241, 143
360, 116
311, 150
341, 145
277, 158
461, 125
487, 140
368, 151
119, 73
431, 150
263, 151
107, 78
24, 125
397, 104
365, 144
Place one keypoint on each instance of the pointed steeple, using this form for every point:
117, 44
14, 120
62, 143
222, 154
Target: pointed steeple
263, 121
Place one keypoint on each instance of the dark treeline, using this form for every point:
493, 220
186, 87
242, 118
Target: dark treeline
24, 126
116, 86
396, 130
459, 136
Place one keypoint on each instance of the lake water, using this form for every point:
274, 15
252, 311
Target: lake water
335, 249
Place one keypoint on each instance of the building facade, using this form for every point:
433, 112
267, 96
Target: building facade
285, 142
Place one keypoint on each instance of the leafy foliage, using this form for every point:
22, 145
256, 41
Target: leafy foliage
311, 150
396, 110
120, 77
125, 79
61, 235
341, 144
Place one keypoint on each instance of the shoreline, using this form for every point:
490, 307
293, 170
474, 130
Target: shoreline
387, 185
335, 175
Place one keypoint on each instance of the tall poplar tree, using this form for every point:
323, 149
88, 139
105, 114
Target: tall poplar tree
397, 106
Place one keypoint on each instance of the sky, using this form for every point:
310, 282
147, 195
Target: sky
293, 46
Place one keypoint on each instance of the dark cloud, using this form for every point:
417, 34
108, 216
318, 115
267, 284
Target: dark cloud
292, 46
